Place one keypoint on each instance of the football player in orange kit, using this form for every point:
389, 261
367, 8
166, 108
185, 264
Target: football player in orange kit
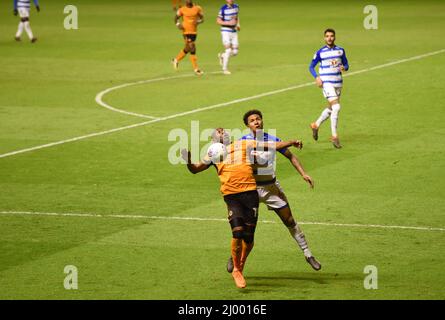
192, 15
238, 188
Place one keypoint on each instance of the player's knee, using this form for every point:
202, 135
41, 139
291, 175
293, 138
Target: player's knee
24, 19
289, 222
238, 233
249, 233
248, 237
234, 51
192, 48
336, 107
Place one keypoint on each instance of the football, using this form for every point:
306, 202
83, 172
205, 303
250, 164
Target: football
217, 152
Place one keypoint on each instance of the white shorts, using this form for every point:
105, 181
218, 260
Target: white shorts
230, 39
23, 12
330, 92
272, 195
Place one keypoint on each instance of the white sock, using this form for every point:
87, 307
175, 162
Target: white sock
298, 235
28, 30
19, 30
334, 118
226, 57
324, 115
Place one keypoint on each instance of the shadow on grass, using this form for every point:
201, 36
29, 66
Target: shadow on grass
268, 282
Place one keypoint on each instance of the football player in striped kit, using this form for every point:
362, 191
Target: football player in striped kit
229, 21
333, 63
22, 7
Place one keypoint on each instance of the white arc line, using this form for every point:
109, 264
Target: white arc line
123, 216
100, 95
96, 134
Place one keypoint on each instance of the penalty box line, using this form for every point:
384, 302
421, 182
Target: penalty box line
101, 133
123, 216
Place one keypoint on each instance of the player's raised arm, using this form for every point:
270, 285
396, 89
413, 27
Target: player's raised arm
193, 167
280, 144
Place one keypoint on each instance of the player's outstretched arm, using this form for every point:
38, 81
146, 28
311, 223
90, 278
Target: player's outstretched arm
15, 8
299, 167
193, 167
281, 144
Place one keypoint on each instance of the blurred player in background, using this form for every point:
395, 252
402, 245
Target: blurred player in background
238, 188
176, 4
228, 19
333, 63
22, 8
192, 15
268, 187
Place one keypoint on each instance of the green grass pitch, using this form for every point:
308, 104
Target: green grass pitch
391, 170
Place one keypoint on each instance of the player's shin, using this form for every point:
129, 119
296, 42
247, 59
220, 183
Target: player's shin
226, 57
236, 252
246, 248
181, 55
299, 237
28, 29
20, 29
323, 117
334, 119
194, 61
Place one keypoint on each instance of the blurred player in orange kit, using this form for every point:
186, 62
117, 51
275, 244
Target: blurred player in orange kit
192, 15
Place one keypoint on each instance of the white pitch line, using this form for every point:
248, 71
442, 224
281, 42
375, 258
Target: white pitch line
96, 134
100, 95
123, 216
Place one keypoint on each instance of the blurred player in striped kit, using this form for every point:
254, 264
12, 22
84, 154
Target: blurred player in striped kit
229, 21
22, 7
333, 63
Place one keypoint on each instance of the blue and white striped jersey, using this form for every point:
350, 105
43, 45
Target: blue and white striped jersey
227, 13
24, 4
264, 172
330, 60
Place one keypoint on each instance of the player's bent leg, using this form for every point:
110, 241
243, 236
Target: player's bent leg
297, 234
316, 125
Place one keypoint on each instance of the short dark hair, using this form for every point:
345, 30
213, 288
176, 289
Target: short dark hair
249, 113
329, 30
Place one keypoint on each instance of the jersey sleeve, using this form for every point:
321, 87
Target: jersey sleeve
15, 4
344, 60
315, 60
200, 11
282, 151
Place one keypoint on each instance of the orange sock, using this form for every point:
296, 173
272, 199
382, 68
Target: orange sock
193, 59
236, 253
180, 55
246, 248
